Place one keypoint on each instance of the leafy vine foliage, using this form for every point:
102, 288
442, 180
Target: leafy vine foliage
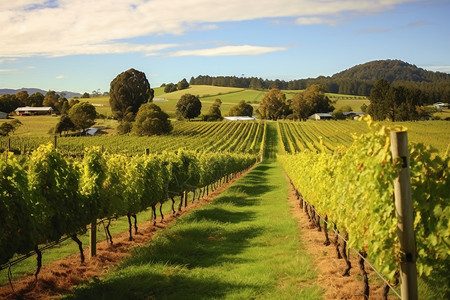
48, 195
354, 187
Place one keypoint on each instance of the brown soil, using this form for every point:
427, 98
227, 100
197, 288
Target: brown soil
61, 276
329, 267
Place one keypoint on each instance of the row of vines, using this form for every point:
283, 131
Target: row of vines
240, 137
330, 135
353, 188
47, 195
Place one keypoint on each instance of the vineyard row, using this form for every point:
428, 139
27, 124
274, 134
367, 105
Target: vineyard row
354, 189
48, 195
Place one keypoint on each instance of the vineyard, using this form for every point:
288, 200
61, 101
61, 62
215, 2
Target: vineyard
352, 189
320, 136
343, 173
236, 137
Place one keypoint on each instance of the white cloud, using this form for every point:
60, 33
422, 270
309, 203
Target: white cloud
6, 70
314, 20
60, 77
229, 51
443, 69
65, 27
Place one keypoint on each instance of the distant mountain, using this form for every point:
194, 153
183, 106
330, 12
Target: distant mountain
30, 91
391, 70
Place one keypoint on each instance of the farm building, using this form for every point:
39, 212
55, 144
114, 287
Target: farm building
3, 115
440, 105
34, 111
321, 116
240, 118
353, 114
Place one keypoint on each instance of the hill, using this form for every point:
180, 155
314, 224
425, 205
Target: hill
357, 80
30, 91
391, 70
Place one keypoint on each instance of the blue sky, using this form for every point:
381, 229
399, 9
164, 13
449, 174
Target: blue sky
81, 45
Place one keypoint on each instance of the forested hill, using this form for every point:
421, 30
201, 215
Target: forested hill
357, 80
391, 70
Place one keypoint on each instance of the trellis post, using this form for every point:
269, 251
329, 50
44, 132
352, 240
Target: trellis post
93, 239
405, 218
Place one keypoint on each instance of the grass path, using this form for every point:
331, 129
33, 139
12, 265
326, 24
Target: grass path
244, 245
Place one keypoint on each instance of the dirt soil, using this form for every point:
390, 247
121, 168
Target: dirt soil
61, 276
329, 267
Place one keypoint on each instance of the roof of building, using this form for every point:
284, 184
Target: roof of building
324, 114
240, 118
30, 108
358, 113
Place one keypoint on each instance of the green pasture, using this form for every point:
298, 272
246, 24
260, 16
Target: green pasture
355, 104
228, 95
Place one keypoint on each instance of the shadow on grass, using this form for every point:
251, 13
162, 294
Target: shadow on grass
203, 244
142, 283
216, 214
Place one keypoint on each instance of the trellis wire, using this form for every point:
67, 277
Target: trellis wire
365, 260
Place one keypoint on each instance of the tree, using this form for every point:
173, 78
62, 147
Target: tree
5, 129
273, 106
379, 104
35, 100
398, 103
8, 103
214, 113
241, 109
128, 91
51, 100
182, 84
22, 96
65, 124
65, 108
83, 115
85, 95
151, 120
188, 107
170, 87
124, 127
312, 100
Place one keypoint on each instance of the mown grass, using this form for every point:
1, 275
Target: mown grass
244, 245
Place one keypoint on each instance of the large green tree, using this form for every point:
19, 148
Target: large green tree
241, 109
312, 100
188, 107
128, 91
151, 120
83, 115
273, 106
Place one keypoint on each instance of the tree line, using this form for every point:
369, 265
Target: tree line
357, 80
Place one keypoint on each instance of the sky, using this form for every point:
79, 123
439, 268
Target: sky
82, 45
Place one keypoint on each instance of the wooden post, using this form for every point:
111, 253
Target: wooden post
93, 239
404, 211
147, 151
